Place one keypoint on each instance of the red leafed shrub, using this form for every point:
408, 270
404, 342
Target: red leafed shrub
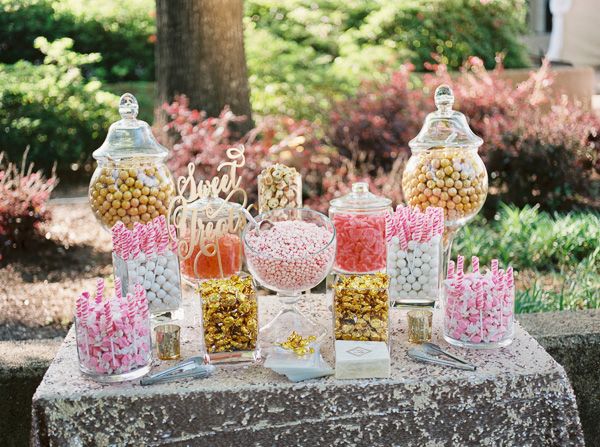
203, 140
538, 148
24, 196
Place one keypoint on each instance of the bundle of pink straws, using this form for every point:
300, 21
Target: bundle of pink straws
113, 333
153, 238
411, 224
479, 306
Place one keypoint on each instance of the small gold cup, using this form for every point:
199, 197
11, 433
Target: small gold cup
419, 326
168, 344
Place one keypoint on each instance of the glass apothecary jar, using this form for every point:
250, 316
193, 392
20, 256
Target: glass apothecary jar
210, 239
359, 220
445, 170
361, 307
279, 186
131, 183
229, 320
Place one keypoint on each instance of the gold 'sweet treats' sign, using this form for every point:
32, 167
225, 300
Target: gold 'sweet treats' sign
200, 218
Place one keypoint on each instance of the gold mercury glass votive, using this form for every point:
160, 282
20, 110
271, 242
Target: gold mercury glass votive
168, 344
419, 326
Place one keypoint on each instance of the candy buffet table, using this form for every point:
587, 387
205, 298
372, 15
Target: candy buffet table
518, 396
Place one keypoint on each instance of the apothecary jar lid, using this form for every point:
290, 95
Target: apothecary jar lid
360, 199
130, 137
445, 127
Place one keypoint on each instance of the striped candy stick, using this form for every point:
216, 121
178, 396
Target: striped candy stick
475, 264
450, 274
99, 290
118, 289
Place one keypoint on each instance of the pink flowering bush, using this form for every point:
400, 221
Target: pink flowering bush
24, 196
538, 148
203, 140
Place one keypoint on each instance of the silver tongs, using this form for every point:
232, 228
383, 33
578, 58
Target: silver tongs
429, 352
193, 367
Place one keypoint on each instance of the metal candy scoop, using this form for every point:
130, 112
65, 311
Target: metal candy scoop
421, 356
193, 367
433, 349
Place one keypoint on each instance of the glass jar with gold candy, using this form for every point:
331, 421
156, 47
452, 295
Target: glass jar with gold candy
361, 306
229, 320
131, 183
445, 170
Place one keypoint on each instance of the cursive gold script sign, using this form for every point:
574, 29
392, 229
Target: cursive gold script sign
204, 216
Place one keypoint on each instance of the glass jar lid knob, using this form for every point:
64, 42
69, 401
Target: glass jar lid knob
360, 187
128, 106
444, 98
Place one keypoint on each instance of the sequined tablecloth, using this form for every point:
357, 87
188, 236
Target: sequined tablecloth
518, 396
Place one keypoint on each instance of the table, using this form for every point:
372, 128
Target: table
518, 396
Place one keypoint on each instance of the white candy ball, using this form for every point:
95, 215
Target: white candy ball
161, 294
151, 296
162, 261
417, 262
402, 254
416, 286
160, 280
412, 245
423, 279
418, 252
147, 285
405, 272
426, 257
392, 271
417, 271
401, 280
141, 270
406, 287
395, 240
410, 279
159, 270
149, 276
155, 287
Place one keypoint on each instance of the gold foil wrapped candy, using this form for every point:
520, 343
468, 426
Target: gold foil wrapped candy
279, 186
298, 344
229, 314
361, 305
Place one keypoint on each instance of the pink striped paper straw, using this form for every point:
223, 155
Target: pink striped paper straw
510, 279
389, 227
460, 262
173, 238
475, 264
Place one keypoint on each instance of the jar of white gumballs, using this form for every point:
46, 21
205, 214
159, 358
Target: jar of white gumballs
148, 256
414, 255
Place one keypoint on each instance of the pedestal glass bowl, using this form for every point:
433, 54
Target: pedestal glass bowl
290, 254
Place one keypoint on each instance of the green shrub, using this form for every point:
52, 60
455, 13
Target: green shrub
302, 55
122, 32
52, 108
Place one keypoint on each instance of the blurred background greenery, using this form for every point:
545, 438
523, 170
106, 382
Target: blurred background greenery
63, 64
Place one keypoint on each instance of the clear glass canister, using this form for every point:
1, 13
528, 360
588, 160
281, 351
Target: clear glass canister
230, 320
113, 337
279, 186
359, 219
415, 270
210, 239
445, 170
361, 307
159, 274
479, 311
131, 183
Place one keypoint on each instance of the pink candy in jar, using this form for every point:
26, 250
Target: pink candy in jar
113, 334
479, 307
359, 219
291, 256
